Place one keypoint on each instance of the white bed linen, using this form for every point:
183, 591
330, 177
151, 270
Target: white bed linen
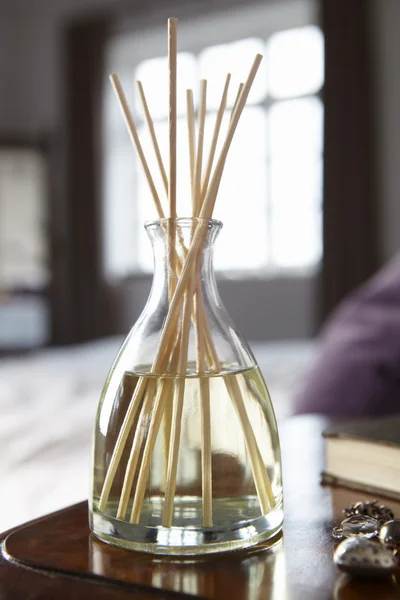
48, 402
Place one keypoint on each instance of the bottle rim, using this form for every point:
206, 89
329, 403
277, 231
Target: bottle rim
184, 222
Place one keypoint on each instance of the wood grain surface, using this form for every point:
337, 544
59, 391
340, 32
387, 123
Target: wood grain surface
56, 557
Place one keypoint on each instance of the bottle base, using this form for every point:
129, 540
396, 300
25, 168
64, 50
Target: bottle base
188, 540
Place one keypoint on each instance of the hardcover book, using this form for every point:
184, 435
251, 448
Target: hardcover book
364, 455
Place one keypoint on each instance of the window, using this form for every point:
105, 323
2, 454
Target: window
273, 177
24, 269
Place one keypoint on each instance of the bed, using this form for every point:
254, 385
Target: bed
48, 402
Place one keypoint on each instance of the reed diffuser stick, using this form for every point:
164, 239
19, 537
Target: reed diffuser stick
121, 440
206, 462
206, 450
136, 448
209, 200
164, 393
214, 141
200, 141
177, 411
173, 259
153, 135
161, 401
236, 100
191, 141
131, 126
172, 66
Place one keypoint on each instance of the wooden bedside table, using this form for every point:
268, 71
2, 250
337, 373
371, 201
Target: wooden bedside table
56, 557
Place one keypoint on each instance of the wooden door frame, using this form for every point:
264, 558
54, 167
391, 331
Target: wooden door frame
351, 200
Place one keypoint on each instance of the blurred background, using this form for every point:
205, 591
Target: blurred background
309, 198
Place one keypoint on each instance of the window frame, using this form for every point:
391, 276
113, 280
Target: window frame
127, 51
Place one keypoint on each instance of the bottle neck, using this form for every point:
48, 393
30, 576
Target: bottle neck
184, 312
206, 274
171, 242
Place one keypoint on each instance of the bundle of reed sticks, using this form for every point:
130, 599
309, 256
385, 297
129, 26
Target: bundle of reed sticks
164, 403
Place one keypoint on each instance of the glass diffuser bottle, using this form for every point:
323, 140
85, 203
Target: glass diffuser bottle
186, 450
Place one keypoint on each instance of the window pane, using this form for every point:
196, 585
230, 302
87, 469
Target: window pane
154, 76
296, 181
241, 202
296, 236
23, 215
295, 62
236, 58
119, 212
295, 133
296, 127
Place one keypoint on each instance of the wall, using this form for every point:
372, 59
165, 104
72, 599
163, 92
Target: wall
28, 66
30, 62
276, 309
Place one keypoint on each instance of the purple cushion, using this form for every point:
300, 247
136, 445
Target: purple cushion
357, 371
